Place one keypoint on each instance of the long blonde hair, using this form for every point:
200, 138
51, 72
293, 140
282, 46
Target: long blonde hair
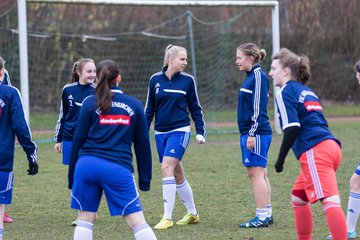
172, 51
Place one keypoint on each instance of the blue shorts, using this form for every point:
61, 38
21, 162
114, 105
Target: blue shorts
357, 170
256, 157
172, 144
93, 176
66, 152
6, 187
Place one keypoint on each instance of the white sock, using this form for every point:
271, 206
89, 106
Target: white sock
269, 208
353, 211
169, 193
144, 232
186, 195
83, 231
1, 233
261, 213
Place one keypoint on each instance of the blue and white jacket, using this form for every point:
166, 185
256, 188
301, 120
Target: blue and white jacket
299, 106
110, 136
253, 97
72, 97
13, 122
171, 100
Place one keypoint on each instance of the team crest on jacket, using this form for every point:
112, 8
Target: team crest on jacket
157, 86
114, 120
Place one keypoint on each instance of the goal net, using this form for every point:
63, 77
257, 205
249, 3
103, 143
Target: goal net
135, 36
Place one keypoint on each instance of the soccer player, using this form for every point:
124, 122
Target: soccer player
353, 208
5, 79
172, 94
12, 123
306, 131
102, 158
81, 85
255, 130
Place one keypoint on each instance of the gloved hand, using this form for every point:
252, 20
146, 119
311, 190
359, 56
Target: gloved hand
279, 166
200, 139
33, 168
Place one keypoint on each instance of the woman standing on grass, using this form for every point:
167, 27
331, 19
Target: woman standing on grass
12, 123
172, 94
255, 130
5, 79
307, 133
80, 86
102, 156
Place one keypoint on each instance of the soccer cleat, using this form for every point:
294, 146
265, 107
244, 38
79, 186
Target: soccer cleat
255, 223
351, 235
74, 223
164, 224
271, 220
188, 219
7, 219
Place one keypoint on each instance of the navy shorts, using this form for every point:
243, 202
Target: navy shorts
256, 157
357, 170
66, 152
6, 187
93, 176
172, 144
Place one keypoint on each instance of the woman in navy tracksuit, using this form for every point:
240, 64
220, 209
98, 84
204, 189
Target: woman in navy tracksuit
172, 94
12, 123
101, 158
80, 86
255, 130
5, 79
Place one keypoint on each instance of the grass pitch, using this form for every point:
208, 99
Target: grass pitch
221, 187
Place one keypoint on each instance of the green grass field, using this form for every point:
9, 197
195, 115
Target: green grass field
222, 191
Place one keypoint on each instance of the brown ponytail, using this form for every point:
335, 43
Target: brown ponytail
78, 67
298, 65
251, 49
106, 71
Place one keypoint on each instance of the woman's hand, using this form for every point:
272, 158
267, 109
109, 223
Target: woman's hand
57, 147
200, 139
250, 143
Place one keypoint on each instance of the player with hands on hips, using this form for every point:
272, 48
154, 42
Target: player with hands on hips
101, 158
255, 130
306, 131
172, 95
12, 123
353, 208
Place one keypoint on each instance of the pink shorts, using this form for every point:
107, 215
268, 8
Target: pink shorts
318, 171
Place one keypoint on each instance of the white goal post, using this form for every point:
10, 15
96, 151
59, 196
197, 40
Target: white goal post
22, 21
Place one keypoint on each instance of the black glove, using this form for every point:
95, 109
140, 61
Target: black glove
290, 135
279, 166
33, 168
